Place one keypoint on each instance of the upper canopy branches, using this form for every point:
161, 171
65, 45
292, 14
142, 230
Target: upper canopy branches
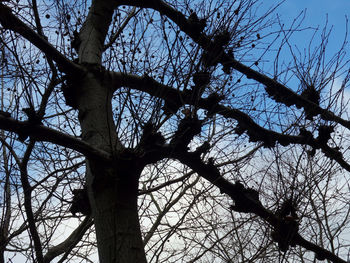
279, 92
9, 21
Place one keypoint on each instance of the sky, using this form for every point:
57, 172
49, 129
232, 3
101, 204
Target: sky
317, 9
316, 15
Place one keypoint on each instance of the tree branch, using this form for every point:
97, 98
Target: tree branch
27, 192
68, 244
132, 13
10, 21
246, 124
240, 194
42, 133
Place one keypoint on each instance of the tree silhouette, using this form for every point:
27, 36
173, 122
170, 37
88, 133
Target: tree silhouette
168, 130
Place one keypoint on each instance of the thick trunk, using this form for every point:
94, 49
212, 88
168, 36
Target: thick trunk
116, 220
113, 186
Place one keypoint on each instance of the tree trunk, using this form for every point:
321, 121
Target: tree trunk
112, 187
116, 218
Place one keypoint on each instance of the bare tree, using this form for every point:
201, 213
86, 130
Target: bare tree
168, 131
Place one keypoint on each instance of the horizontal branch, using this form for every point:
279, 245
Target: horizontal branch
246, 124
41, 133
241, 195
320, 252
281, 93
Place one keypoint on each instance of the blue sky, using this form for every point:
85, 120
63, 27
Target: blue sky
317, 12
317, 9
316, 15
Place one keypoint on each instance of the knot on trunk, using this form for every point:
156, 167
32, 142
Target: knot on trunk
285, 232
288, 225
151, 137
246, 199
187, 129
80, 202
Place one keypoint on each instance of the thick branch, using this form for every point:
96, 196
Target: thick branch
320, 252
42, 133
246, 124
10, 21
165, 9
94, 31
70, 242
281, 93
6, 217
211, 173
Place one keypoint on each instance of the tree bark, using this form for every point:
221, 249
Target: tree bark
116, 218
112, 186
